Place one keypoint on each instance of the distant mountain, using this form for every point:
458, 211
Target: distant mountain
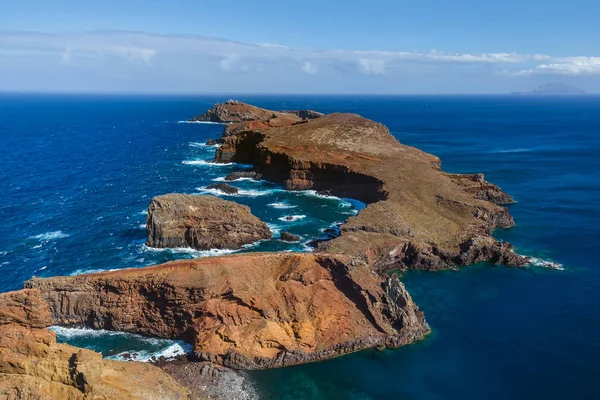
557, 89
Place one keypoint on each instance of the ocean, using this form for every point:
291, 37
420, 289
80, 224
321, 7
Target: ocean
77, 173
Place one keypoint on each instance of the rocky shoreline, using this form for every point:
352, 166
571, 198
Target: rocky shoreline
263, 310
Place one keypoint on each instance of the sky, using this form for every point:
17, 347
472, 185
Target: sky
310, 46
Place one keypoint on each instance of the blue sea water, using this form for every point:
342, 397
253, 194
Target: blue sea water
77, 173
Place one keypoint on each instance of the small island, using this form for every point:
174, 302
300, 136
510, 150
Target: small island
554, 89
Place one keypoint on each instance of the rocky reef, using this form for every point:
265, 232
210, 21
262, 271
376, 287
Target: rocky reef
202, 223
417, 215
34, 366
249, 311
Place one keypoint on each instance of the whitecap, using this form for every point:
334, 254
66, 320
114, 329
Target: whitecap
540, 262
51, 235
37, 246
281, 205
518, 150
206, 163
5, 263
143, 212
201, 122
142, 226
43, 268
3, 253
292, 218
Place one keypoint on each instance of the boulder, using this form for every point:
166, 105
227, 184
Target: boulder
289, 237
224, 187
243, 174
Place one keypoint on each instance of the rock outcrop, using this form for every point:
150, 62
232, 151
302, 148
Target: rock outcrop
417, 215
224, 187
34, 366
248, 311
289, 237
201, 222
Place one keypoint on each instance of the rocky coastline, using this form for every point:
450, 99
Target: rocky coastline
263, 310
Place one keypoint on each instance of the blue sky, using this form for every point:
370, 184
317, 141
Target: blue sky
310, 46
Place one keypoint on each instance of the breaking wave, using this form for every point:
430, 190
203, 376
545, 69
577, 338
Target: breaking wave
281, 205
240, 193
203, 145
540, 262
51, 235
206, 163
189, 251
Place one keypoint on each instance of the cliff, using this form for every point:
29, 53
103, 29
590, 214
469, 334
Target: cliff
249, 311
34, 366
417, 215
201, 222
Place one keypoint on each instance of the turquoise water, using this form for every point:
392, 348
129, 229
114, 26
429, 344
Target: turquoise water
78, 172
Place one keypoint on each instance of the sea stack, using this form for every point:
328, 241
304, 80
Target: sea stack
201, 223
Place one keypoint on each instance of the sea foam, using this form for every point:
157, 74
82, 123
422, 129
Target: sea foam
189, 251
240, 193
292, 218
164, 348
281, 205
540, 262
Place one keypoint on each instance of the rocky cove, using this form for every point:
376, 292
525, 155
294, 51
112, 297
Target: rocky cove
272, 310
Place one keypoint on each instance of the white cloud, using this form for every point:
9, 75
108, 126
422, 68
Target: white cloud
140, 61
309, 68
570, 66
229, 62
371, 66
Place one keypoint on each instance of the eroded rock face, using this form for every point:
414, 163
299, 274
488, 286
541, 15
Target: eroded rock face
413, 206
34, 366
249, 311
201, 222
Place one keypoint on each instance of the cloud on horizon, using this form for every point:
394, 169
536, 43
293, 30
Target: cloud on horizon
141, 62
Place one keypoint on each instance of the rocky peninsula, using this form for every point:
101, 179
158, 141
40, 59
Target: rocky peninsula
418, 216
263, 310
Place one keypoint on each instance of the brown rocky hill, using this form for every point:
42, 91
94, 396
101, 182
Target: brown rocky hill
417, 215
34, 367
248, 311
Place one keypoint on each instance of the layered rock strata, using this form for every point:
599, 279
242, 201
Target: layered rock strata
417, 215
201, 222
250, 311
34, 366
